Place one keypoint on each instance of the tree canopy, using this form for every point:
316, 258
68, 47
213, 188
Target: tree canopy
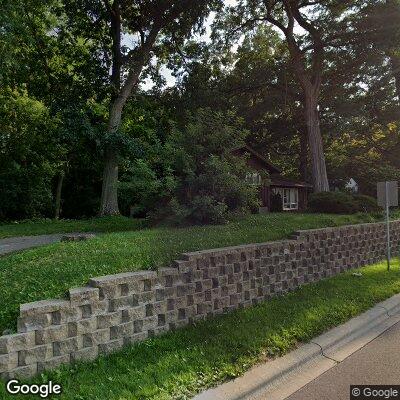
314, 86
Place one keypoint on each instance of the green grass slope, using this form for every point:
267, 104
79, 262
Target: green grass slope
49, 271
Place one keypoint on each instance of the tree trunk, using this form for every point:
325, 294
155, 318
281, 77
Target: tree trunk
109, 192
319, 175
58, 195
303, 164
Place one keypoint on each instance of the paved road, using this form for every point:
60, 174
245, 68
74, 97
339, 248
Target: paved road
378, 363
25, 242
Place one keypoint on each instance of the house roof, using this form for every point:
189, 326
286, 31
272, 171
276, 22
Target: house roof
275, 173
281, 181
267, 164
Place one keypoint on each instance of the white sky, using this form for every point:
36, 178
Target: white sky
170, 79
148, 84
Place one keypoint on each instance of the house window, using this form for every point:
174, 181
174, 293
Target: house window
254, 179
290, 198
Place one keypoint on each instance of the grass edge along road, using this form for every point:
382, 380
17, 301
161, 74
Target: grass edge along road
120, 223
49, 226
48, 272
181, 363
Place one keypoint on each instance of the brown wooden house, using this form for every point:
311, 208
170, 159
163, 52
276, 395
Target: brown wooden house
268, 177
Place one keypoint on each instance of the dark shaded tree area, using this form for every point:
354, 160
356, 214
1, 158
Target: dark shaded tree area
313, 86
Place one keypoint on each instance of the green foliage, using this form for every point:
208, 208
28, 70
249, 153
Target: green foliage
207, 210
365, 203
28, 156
47, 65
202, 160
146, 178
332, 202
61, 91
341, 203
180, 364
370, 155
142, 190
35, 146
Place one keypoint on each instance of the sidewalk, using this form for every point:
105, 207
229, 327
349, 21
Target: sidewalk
377, 363
283, 377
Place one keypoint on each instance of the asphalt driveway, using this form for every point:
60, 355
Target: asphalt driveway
10, 245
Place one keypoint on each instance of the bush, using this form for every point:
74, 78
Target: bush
206, 210
341, 203
210, 179
142, 188
170, 212
366, 203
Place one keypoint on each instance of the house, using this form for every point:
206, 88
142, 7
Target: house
268, 177
352, 185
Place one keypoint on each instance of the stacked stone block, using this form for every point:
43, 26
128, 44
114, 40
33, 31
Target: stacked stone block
116, 310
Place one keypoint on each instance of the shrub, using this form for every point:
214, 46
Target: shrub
170, 212
206, 210
140, 186
366, 203
210, 179
341, 203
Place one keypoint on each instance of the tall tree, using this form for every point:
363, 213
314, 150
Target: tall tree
393, 17
308, 28
255, 81
129, 34
42, 61
378, 23
309, 75
263, 89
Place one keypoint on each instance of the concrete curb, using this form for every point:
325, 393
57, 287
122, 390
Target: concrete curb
278, 379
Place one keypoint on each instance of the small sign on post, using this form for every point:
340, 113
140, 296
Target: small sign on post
388, 196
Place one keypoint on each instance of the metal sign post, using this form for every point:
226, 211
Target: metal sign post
387, 224
388, 196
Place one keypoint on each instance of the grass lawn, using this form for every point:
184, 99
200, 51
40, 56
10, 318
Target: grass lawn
181, 363
47, 226
49, 271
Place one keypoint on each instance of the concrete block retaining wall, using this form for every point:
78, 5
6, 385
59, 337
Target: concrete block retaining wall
115, 310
